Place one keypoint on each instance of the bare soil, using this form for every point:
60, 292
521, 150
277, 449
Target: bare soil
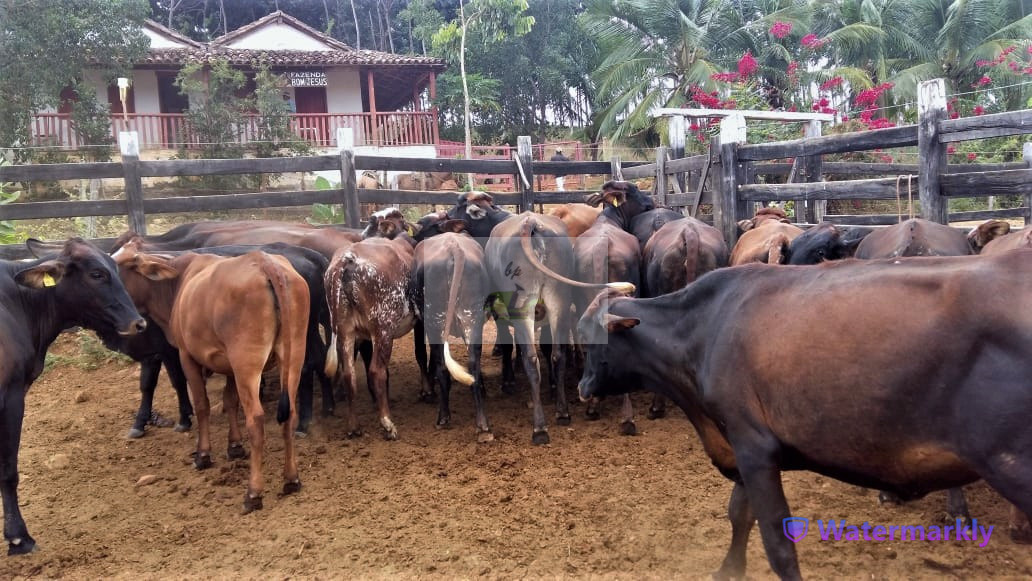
434, 505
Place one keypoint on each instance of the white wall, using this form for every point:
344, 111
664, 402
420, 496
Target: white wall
343, 91
145, 91
278, 36
421, 151
160, 41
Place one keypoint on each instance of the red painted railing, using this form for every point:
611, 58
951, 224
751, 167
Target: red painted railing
171, 130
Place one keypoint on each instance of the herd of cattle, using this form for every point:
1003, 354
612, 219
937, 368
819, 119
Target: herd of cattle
907, 371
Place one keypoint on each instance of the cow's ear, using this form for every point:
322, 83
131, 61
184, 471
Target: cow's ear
746, 225
153, 268
987, 232
593, 199
614, 323
38, 248
42, 275
785, 221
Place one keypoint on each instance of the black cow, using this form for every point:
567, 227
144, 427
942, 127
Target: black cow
79, 286
644, 225
878, 406
826, 241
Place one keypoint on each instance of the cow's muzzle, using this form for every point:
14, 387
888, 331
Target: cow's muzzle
476, 212
136, 327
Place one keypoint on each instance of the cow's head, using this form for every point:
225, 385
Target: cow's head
473, 205
987, 232
389, 223
601, 333
86, 287
438, 223
621, 200
824, 241
764, 215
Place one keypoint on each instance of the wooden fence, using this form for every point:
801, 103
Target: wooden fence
131, 169
727, 177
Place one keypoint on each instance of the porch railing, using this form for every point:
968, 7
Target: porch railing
171, 130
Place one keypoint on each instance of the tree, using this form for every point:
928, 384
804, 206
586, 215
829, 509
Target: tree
495, 20
47, 46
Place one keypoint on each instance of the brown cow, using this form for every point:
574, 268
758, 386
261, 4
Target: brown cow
577, 216
235, 316
764, 216
916, 237
422, 181
368, 292
325, 241
1013, 241
768, 242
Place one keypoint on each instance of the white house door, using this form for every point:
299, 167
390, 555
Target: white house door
312, 121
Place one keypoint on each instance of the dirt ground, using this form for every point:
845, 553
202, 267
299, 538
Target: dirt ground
433, 505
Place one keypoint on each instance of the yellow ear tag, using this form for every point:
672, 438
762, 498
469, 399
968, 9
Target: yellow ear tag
411, 231
616, 202
48, 280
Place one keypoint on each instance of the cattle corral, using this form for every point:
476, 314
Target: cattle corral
436, 504
593, 504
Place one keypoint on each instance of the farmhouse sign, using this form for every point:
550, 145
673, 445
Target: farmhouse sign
307, 78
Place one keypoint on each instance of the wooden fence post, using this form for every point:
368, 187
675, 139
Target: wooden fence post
931, 109
1026, 154
525, 150
129, 144
676, 136
813, 212
659, 188
726, 208
615, 168
348, 181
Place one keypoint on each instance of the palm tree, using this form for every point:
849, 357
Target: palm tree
949, 39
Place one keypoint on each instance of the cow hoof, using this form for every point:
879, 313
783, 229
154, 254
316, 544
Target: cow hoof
202, 461
291, 487
724, 575
251, 503
22, 546
509, 387
427, 397
351, 435
655, 414
299, 433
390, 436
390, 432
485, 437
888, 498
628, 428
563, 420
327, 413
181, 427
540, 438
236, 451
443, 425
134, 433
592, 414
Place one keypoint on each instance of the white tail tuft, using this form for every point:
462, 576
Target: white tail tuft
457, 371
331, 357
623, 287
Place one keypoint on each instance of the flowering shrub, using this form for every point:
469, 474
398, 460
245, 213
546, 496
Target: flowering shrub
811, 41
781, 29
746, 65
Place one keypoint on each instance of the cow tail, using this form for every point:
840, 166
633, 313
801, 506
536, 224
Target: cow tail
459, 264
289, 375
527, 232
690, 236
333, 281
776, 249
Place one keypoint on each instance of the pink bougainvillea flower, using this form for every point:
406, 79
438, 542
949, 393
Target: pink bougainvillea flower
951, 149
972, 156
811, 41
725, 77
978, 110
831, 83
746, 65
781, 29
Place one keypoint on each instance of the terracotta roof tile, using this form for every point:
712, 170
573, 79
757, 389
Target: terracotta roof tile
286, 58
